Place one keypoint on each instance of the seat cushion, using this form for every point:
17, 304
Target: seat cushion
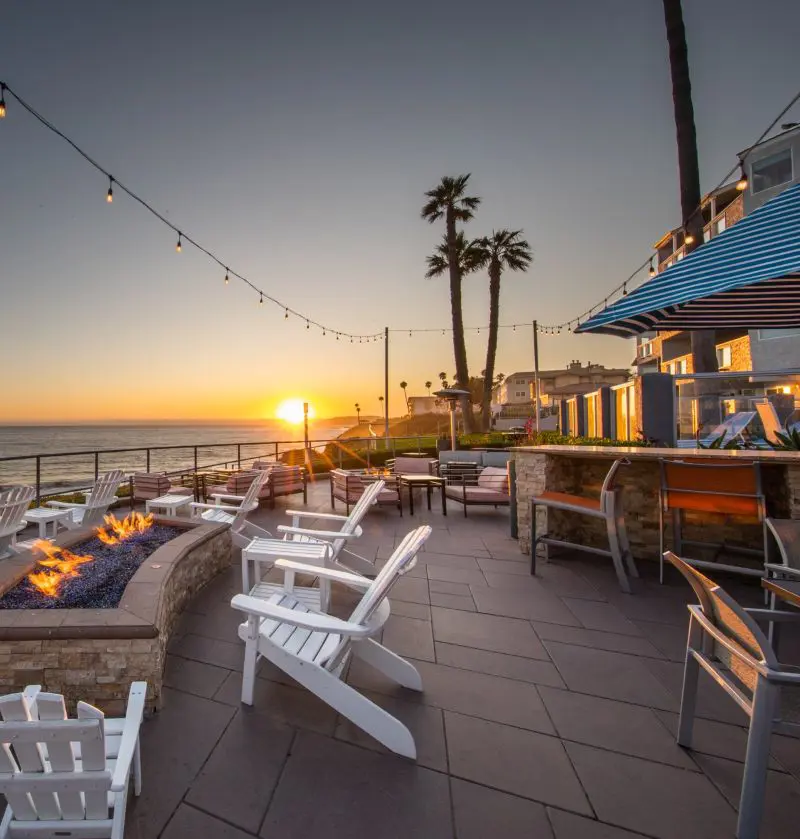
495, 478
477, 495
413, 466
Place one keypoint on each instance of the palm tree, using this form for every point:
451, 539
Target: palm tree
443, 379
428, 386
704, 353
448, 200
403, 386
358, 413
504, 250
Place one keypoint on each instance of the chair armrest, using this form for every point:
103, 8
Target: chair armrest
198, 505
346, 577
305, 620
227, 497
783, 569
322, 535
312, 515
66, 505
130, 735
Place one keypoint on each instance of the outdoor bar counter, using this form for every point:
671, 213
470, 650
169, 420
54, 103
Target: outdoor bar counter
581, 470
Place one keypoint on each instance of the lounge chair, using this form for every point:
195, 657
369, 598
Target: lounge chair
98, 500
235, 513
349, 486
261, 553
314, 648
14, 504
726, 642
64, 777
488, 486
145, 486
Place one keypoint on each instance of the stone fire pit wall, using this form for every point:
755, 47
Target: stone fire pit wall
581, 470
94, 654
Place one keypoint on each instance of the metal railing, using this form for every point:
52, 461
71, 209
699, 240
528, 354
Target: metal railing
362, 449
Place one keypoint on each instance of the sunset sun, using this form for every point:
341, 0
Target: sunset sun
291, 410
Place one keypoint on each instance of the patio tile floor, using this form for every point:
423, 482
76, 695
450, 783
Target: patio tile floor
549, 711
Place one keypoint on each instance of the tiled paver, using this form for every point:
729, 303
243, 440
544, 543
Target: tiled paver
549, 712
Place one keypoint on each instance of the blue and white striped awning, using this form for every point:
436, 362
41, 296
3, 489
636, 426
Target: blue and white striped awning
747, 277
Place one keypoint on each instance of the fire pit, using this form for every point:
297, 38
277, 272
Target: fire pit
93, 611
95, 573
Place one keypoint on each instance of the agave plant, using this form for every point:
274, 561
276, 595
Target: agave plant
788, 440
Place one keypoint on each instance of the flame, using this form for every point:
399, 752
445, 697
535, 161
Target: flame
64, 565
116, 531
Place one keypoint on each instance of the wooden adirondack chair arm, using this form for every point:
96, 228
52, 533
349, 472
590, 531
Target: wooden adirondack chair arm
314, 621
198, 505
66, 505
134, 712
346, 577
310, 514
239, 498
317, 534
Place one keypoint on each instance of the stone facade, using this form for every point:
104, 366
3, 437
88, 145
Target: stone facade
640, 483
94, 654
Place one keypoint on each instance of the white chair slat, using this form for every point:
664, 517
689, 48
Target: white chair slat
30, 755
20, 802
51, 707
93, 758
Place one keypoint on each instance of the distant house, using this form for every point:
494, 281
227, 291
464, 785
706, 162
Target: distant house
516, 390
426, 405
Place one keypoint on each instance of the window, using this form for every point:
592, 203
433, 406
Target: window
723, 357
771, 171
520, 393
769, 334
677, 367
645, 349
521, 381
721, 225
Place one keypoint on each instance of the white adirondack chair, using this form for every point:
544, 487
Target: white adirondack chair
98, 500
67, 777
235, 514
313, 648
260, 554
14, 503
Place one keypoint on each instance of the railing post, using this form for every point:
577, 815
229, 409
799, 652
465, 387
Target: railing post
38, 481
276, 452
339, 450
239, 455
147, 467
195, 458
96, 465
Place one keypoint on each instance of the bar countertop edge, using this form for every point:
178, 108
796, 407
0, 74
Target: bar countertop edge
648, 453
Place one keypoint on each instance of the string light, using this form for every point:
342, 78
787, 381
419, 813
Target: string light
624, 292
286, 315
308, 325
688, 236
227, 278
110, 193
741, 184
651, 271
261, 299
178, 246
2, 100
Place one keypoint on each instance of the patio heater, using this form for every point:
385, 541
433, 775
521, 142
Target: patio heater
453, 396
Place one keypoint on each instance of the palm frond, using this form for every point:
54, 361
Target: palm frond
437, 265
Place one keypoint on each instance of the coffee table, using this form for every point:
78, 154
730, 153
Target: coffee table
44, 516
427, 481
168, 504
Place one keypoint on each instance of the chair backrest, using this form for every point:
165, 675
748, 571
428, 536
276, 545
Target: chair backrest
36, 727
413, 465
401, 562
769, 419
786, 533
150, 484
733, 489
367, 500
104, 488
14, 503
285, 479
731, 427
239, 482
263, 464
250, 501
732, 621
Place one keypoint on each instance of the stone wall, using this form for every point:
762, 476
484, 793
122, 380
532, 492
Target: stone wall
640, 500
94, 654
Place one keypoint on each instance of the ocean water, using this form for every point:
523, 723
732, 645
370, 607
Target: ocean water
217, 445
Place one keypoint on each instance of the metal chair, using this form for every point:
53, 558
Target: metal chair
725, 640
701, 485
608, 508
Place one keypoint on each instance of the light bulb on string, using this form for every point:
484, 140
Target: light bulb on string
2, 100
409, 333
624, 289
351, 339
308, 325
337, 336
688, 236
741, 184
178, 246
261, 299
323, 332
286, 314
110, 193
652, 269
227, 278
